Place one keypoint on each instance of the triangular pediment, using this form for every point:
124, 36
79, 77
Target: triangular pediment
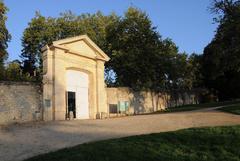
82, 46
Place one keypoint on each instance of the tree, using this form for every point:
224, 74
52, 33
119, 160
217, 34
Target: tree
133, 50
194, 71
13, 71
4, 37
43, 30
221, 58
140, 59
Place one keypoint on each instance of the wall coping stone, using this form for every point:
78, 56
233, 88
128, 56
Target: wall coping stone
19, 83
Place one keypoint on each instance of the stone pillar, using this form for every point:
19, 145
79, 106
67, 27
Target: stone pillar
59, 106
101, 91
47, 84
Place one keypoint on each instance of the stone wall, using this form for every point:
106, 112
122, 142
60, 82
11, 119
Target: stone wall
20, 101
146, 102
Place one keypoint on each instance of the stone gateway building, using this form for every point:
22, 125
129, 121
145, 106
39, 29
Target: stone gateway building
73, 80
73, 87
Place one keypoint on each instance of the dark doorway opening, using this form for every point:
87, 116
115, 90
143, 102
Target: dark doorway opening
71, 98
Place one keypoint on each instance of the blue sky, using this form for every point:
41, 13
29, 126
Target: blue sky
187, 22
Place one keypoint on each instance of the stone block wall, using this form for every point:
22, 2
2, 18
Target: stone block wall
20, 101
139, 102
146, 102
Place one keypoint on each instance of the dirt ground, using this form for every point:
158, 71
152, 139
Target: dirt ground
18, 142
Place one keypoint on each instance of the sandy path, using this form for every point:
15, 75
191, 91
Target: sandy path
18, 142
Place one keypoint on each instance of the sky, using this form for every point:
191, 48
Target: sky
188, 23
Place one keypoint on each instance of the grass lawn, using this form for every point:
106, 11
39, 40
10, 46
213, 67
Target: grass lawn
235, 109
198, 106
196, 144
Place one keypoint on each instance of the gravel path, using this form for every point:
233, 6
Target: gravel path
18, 142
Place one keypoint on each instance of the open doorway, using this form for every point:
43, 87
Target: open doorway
78, 93
71, 103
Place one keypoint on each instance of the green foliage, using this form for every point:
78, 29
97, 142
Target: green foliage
195, 144
140, 59
133, 50
13, 72
178, 71
234, 109
198, 106
43, 30
195, 77
221, 59
4, 37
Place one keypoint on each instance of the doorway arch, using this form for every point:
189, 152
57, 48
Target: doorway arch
77, 83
